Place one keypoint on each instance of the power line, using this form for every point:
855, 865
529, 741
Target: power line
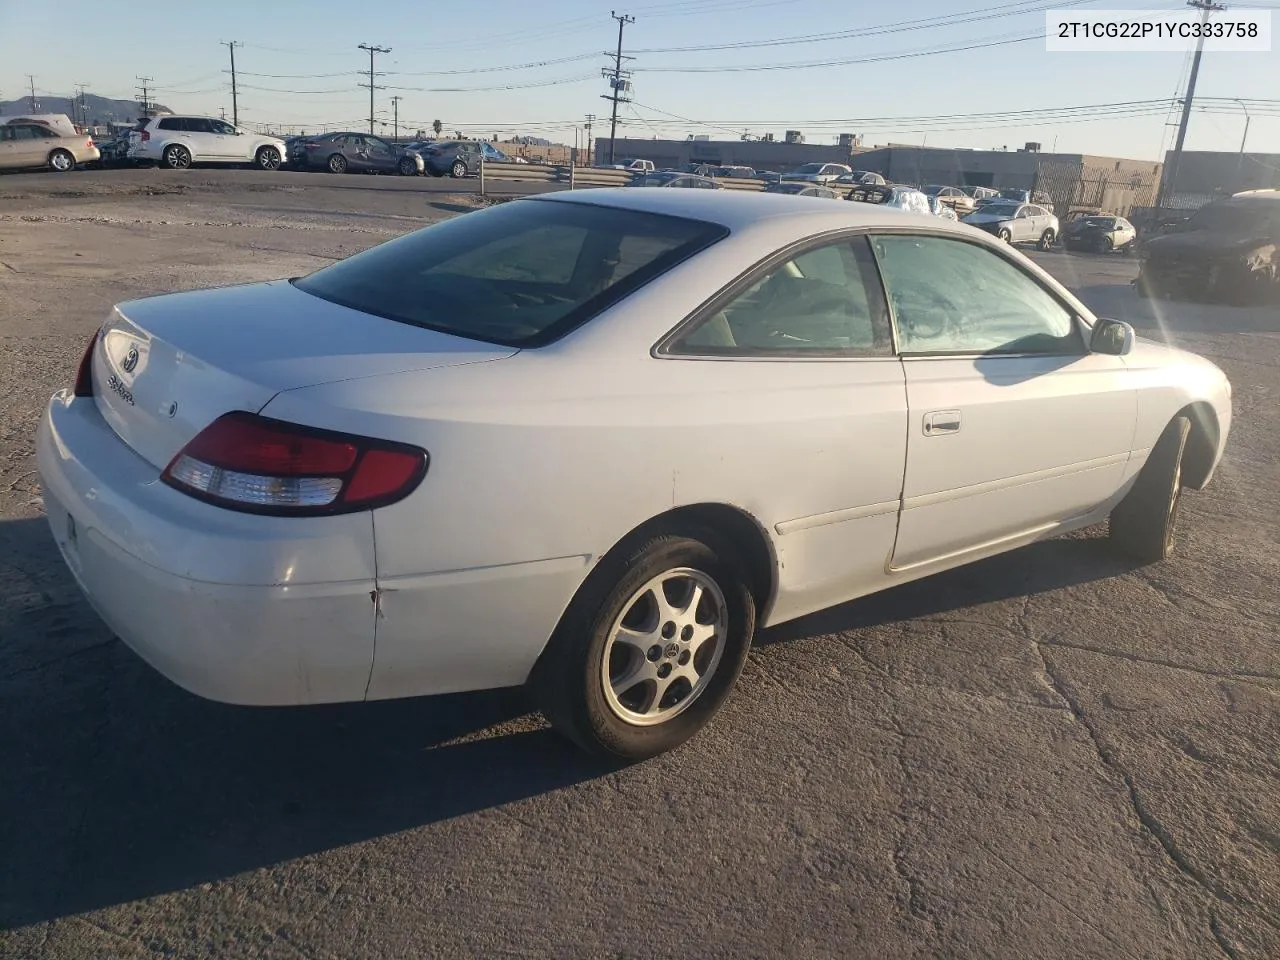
372, 50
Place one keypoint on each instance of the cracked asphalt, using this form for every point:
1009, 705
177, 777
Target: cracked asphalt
1049, 754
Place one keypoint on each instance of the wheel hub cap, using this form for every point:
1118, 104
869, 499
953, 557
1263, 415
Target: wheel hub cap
665, 646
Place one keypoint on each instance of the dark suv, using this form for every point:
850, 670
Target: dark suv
456, 158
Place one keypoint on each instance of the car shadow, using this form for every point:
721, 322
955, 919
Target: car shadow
1037, 568
119, 786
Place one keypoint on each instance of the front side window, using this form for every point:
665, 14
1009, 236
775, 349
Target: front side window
520, 274
825, 301
222, 127
951, 296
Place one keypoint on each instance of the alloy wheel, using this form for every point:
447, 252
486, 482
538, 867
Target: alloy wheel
665, 647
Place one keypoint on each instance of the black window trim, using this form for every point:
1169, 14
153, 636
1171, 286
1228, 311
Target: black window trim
1078, 320
586, 311
662, 350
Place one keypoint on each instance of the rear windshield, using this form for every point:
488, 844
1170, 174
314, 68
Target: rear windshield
521, 274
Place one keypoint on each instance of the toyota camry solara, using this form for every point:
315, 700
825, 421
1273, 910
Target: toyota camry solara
589, 442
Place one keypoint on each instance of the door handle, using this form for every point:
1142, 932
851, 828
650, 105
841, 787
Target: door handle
938, 422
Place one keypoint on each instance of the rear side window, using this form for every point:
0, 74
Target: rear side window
521, 274
172, 123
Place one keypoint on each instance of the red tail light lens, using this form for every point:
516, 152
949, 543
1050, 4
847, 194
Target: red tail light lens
84, 373
146, 135
246, 462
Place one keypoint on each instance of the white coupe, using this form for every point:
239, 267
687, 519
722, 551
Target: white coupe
589, 442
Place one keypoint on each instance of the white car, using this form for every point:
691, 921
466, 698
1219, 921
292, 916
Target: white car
178, 142
590, 441
823, 173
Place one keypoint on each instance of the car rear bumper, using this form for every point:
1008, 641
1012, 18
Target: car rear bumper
232, 607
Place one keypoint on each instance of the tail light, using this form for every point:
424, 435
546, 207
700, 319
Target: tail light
257, 465
88, 141
84, 373
145, 135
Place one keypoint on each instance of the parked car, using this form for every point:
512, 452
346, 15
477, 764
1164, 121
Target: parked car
1018, 195
177, 142
944, 210
860, 176
355, 153
817, 173
1016, 223
768, 176
953, 197
457, 158
896, 196
114, 152
682, 180
1098, 233
248, 482
979, 194
799, 188
636, 166
35, 145
1227, 252
492, 154
736, 172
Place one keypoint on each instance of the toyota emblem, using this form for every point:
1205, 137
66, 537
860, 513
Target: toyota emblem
130, 360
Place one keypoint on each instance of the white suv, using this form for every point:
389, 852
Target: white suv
177, 142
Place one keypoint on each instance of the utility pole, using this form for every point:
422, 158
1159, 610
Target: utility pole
591, 118
1243, 140
1169, 181
395, 113
78, 107
146, 101
616, 80
372, 50
235, 106
32, 81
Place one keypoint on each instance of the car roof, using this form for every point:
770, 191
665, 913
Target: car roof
740, 209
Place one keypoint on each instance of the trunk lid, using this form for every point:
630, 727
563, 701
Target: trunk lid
166, 367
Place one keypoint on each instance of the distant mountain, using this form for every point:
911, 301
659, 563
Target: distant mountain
100, 109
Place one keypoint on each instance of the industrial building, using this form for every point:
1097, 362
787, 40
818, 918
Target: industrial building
779, 155
1204, 175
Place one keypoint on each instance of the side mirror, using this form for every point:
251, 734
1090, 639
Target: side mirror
239, 133
1111, 337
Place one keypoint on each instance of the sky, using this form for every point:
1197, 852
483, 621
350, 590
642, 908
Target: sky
890, 72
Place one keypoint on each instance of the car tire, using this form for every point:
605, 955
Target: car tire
176, 157
408, 168
1046, 240
1144, 522
268, 158
62, 161
336, 163
1106, 245
458, 170
632, 699
1005, 236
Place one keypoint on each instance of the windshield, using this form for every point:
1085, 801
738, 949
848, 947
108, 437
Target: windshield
1235, 217
521, 274
1000, 209
1106, 223
810, 168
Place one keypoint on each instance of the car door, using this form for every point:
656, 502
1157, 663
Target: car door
1023, 226
9, 148
224, 142
200, 139
381, 154
801, 351
28, 146
1015, 427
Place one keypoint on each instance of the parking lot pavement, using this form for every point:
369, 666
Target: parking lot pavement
1048, 754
